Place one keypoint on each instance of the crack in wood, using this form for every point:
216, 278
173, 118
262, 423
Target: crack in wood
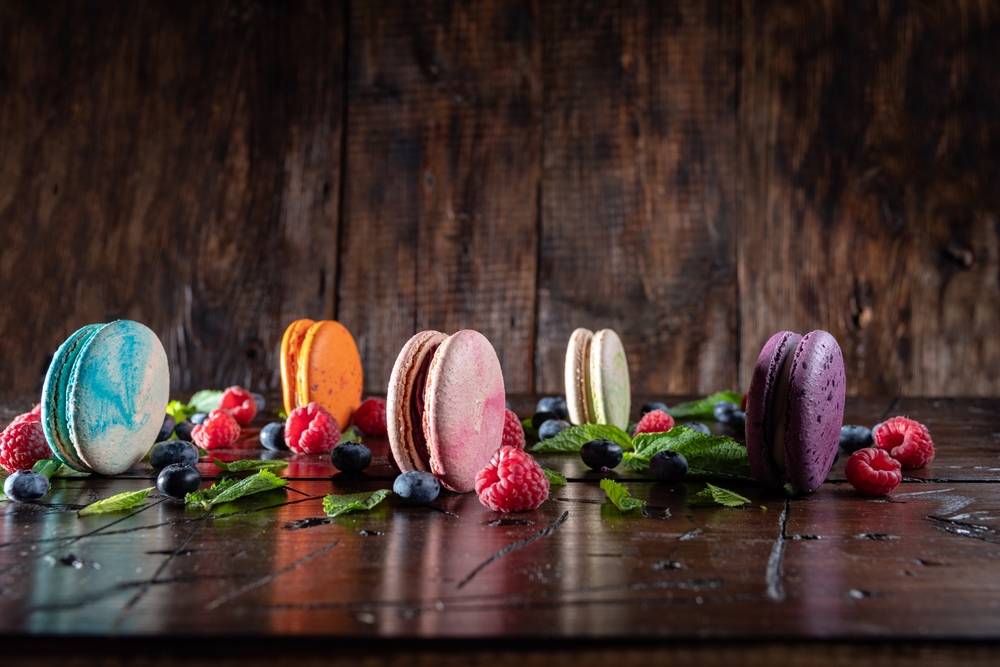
514, 546
964, 529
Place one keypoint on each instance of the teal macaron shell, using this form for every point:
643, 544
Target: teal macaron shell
105, 396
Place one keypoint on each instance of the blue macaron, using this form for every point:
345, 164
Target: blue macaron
104, 396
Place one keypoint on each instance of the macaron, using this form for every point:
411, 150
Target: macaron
794, 410
597, 381
445, 406
104, 397
320, 363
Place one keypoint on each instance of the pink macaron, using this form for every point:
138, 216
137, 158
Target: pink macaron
795, 408
445, 406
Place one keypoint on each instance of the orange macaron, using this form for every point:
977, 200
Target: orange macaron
320, 363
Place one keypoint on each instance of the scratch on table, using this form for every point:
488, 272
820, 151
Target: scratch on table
271, 576
775, 563
514, 546
964, 529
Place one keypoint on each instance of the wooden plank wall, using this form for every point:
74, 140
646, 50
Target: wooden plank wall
696, 175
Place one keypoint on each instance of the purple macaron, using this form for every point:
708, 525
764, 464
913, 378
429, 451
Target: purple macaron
795, 408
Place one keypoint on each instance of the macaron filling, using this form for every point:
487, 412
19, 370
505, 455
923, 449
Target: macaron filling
418, 403
777, 413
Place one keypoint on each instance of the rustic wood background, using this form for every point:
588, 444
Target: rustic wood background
696, 175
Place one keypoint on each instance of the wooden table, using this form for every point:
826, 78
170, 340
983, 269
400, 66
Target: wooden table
828, 578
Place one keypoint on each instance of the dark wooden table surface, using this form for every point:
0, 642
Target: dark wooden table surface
828, 578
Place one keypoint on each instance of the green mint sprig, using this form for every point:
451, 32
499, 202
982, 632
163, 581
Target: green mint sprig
714, 495
555, 478
349, 435
47, 467
620, 496
205, 400
116, 503
251, 465
702, 409
334, 505
571, 439
708, 456
226, 491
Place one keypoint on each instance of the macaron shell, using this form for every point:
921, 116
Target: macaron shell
760, 395
399, 399
465, 406
609, 381
577, 376
291, 347
54, 397
815, 412
330, 370
117, 396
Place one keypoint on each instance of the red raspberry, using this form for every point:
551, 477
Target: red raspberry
370, 417
218, 431
513, 432
37, 411
654, 421
22, 444
311, 430
239, 402
28, 417
512, 482
907, 441
873, 472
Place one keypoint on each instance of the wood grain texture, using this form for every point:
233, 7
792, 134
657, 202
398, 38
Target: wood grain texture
639, 196
869, 140
172, 163
440, 211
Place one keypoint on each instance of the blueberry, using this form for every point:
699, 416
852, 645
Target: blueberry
737, 421
167, 429
698, 426
26, 486
350, 457
552, 428
853, 438
554, 404
508, 405
177, 480
599, 454
875, 428
272, 437
540, 418
184, 429
167, 453
653, 405
198, 417
416, 487
723, 410
353, 428
259, 400
668, 466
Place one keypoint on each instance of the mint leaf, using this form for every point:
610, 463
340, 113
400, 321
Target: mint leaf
251, 465
574, 437
703, 409
555, 479
714, 495
350, 435
530, 432
280, 413
66, 471
116, 503
205, 400
229, 490
180, 411
47, 467
708, 456
620, 496
335, 505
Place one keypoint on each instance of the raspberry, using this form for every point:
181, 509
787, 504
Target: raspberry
28, 417
22, 444
513, 432
311, 430
240, 403
656, 421
37, 411
906, 440
512, 482
370, 417
219, 430
873, 472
